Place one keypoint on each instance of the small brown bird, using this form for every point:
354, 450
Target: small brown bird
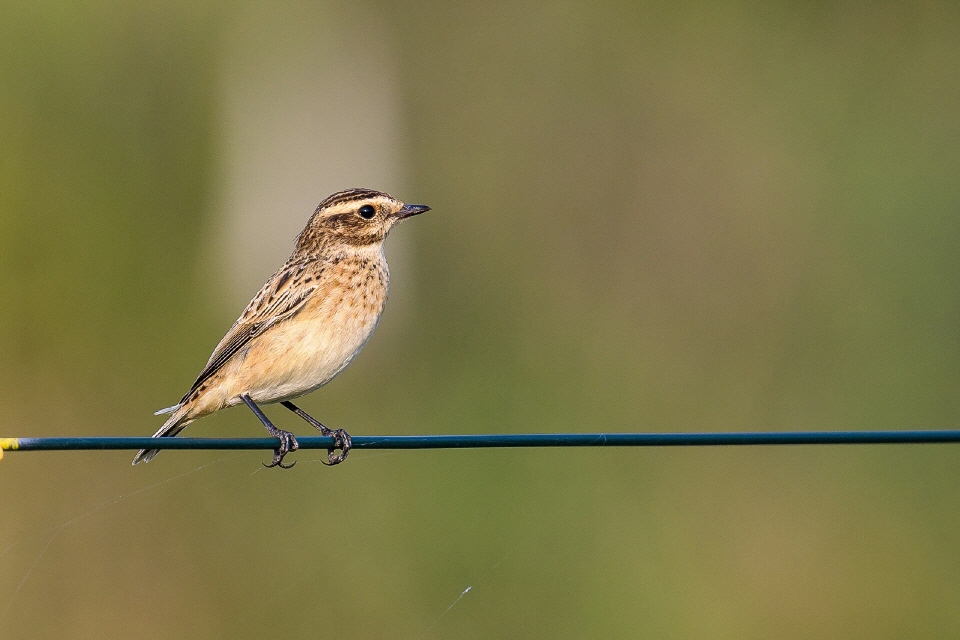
307, 323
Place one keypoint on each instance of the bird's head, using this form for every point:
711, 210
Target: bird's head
355, 218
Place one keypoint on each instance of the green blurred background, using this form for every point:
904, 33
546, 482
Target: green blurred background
647, 217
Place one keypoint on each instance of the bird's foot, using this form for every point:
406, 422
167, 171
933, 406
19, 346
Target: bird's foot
341, 439
343, 442
288, 443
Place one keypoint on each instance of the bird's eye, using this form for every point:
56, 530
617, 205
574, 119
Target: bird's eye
367, 212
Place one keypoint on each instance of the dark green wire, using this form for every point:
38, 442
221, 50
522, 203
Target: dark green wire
496, 440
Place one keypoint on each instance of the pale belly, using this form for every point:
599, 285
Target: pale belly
300, 354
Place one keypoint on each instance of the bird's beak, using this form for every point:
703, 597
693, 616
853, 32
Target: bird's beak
411, 210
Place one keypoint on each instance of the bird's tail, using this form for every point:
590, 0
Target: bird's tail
168, 409
177, 422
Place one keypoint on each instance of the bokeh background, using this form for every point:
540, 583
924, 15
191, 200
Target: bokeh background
647, 217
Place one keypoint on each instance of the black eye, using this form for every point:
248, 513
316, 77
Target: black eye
367, 211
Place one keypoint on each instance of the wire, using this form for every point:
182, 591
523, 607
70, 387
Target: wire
496, 440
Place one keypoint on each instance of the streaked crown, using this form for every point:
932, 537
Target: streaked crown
354, 218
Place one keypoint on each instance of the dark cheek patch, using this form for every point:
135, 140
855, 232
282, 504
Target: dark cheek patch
350, 228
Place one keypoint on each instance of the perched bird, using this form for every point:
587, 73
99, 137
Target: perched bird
306, 324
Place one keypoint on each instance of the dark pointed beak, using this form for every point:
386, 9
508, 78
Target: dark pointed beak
411, 210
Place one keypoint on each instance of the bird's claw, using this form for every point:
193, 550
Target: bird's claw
343, 442
277, 462
288, 443
341, 439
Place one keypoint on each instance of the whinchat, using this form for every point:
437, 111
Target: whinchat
307, 323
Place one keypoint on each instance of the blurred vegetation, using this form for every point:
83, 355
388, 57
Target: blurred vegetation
647, 216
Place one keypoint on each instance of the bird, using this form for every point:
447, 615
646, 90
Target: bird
307, 323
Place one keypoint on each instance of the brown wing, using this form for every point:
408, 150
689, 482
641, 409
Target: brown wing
280, 298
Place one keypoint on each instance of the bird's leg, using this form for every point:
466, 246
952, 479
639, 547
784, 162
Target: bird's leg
288, 443
341, 437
